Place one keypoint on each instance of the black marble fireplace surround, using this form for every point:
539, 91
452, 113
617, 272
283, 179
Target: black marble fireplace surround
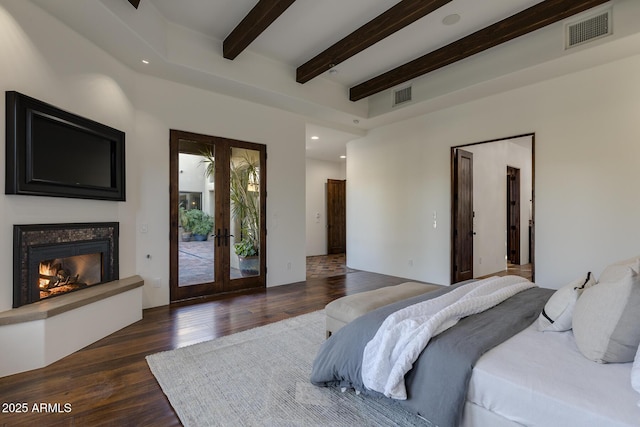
90, 247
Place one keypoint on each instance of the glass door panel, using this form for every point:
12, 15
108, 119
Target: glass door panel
245, 225
197, 211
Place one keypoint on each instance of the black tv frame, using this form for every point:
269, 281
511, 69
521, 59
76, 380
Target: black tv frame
20, 110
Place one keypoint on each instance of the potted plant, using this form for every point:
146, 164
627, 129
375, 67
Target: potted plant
201, 224
185, 223
247, 257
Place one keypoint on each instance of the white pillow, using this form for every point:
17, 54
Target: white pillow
606, 319
635, 373
557, 314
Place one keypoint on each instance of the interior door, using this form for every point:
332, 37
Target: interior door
336, 216
462, 214
209, 226
513, 215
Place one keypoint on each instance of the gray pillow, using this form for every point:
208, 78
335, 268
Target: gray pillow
606, 320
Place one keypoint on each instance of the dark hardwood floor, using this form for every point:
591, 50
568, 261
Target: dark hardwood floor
109, 383
524, 270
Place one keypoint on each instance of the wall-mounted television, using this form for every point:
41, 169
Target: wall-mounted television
51, 152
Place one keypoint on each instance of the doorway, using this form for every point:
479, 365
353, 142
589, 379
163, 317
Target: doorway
217, 215
487, 225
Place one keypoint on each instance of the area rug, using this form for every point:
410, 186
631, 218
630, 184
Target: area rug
260, 377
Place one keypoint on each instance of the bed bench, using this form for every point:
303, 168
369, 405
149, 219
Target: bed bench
343, 310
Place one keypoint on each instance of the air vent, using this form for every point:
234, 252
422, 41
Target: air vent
400, 96
588, 29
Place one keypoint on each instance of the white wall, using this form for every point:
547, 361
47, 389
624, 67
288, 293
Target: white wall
318, 172
586, 159
193, 178
46, 60
490, 161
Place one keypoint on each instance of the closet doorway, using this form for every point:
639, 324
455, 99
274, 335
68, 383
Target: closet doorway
486, 238
217, 215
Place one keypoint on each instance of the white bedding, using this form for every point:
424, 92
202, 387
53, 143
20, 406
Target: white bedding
404, 334
540, 379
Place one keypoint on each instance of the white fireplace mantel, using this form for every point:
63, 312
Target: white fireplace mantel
38, 334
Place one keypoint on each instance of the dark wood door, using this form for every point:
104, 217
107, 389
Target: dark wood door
462, 214
203, 172
336, 216
513, 215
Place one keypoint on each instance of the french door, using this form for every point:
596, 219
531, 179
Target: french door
217, 210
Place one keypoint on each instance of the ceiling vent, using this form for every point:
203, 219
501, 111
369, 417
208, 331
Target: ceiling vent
401, 96
588, 29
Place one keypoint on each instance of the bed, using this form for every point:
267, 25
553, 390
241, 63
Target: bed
497, 368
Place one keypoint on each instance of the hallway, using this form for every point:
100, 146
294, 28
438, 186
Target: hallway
327, 265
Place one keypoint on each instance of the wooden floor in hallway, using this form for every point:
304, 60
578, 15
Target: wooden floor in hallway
524, 270
327, 266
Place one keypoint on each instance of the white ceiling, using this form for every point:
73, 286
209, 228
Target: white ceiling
308, 27
183, 42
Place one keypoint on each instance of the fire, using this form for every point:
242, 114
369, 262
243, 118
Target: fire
46, 269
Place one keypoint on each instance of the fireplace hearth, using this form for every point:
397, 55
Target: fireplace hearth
55, 259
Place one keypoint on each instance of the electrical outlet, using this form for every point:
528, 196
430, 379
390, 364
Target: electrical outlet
410, 262
155, 282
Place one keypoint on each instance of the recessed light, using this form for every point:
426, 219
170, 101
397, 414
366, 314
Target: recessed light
315, 137
144, 61
451, 19
343, 157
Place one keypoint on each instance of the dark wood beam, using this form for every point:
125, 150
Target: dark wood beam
531, 19
394, 19
135, 3
257, 20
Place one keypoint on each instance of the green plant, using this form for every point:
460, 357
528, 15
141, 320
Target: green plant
245, 248
209, 162
185, 220
200, 222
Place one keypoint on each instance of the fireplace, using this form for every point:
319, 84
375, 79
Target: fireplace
56, 259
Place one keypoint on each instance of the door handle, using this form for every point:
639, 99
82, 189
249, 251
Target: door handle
218, 237
226, 237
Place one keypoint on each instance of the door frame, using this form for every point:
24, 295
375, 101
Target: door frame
222, 283
533, 199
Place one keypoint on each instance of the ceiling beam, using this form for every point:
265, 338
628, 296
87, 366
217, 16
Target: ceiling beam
257, 20
394, 19
531, 19
135, 3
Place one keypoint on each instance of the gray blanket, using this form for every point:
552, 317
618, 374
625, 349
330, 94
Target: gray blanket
437, 384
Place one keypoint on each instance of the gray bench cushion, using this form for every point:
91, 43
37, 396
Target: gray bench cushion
345, 309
